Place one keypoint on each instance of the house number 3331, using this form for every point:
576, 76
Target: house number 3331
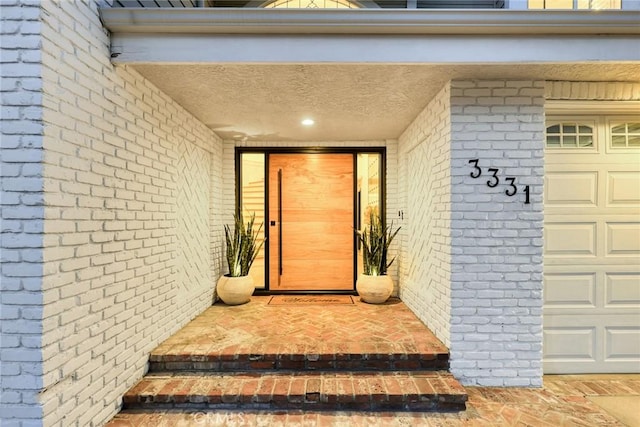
494, 180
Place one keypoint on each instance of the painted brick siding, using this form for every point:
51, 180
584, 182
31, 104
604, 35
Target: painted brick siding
22, 211
424, 181
497, 251
128, 178
193, 220
602, 91
392, 207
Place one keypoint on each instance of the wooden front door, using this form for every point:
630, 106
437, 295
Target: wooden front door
311, 218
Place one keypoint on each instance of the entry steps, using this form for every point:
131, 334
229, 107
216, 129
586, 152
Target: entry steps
324, 382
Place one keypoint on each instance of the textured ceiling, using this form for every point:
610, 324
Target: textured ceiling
348, 102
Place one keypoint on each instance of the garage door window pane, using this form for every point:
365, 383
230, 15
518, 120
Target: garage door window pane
553, 141
625, 135
619, 129
618, 141
586, 141
570, 135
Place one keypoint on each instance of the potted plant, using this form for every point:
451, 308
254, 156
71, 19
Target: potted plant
243, 246
374, 286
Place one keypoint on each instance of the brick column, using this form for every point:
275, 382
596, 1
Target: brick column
21, 202
496, 240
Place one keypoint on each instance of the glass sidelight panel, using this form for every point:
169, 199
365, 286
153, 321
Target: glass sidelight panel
252, 201
369, 196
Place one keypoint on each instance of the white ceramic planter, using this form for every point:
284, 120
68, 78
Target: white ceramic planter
374, 289
235, 290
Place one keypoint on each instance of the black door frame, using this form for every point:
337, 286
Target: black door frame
267, 151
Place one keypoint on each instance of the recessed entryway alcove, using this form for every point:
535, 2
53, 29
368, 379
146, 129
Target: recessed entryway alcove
310, 201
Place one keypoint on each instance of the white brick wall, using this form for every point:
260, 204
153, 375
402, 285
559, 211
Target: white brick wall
602, 91
21, 204
424, 179
193, 218
496, 278
472, 266
124, 265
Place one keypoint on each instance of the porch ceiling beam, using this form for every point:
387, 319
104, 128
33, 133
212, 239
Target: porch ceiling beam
132, 48
369, 21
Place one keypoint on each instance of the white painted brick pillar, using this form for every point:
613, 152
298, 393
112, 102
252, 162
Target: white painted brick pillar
496, 240
22, 214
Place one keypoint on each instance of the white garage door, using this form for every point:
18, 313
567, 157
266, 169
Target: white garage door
592, 245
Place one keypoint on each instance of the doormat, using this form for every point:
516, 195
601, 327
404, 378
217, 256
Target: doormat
310, 300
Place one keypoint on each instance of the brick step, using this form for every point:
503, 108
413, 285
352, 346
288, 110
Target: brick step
308, 362
328, 391
349, 358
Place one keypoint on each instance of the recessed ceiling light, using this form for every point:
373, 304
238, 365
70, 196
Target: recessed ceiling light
308, 122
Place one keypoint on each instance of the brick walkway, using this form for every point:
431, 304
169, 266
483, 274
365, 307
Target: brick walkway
330, 347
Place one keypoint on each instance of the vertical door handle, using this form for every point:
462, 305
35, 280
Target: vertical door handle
280, 221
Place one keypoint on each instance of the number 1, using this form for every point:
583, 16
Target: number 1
526, 198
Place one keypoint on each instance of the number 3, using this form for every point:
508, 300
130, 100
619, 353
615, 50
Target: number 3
494, 179
473, 174
510, 192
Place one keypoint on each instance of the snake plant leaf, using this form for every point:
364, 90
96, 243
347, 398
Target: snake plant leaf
243, 244
376, 239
